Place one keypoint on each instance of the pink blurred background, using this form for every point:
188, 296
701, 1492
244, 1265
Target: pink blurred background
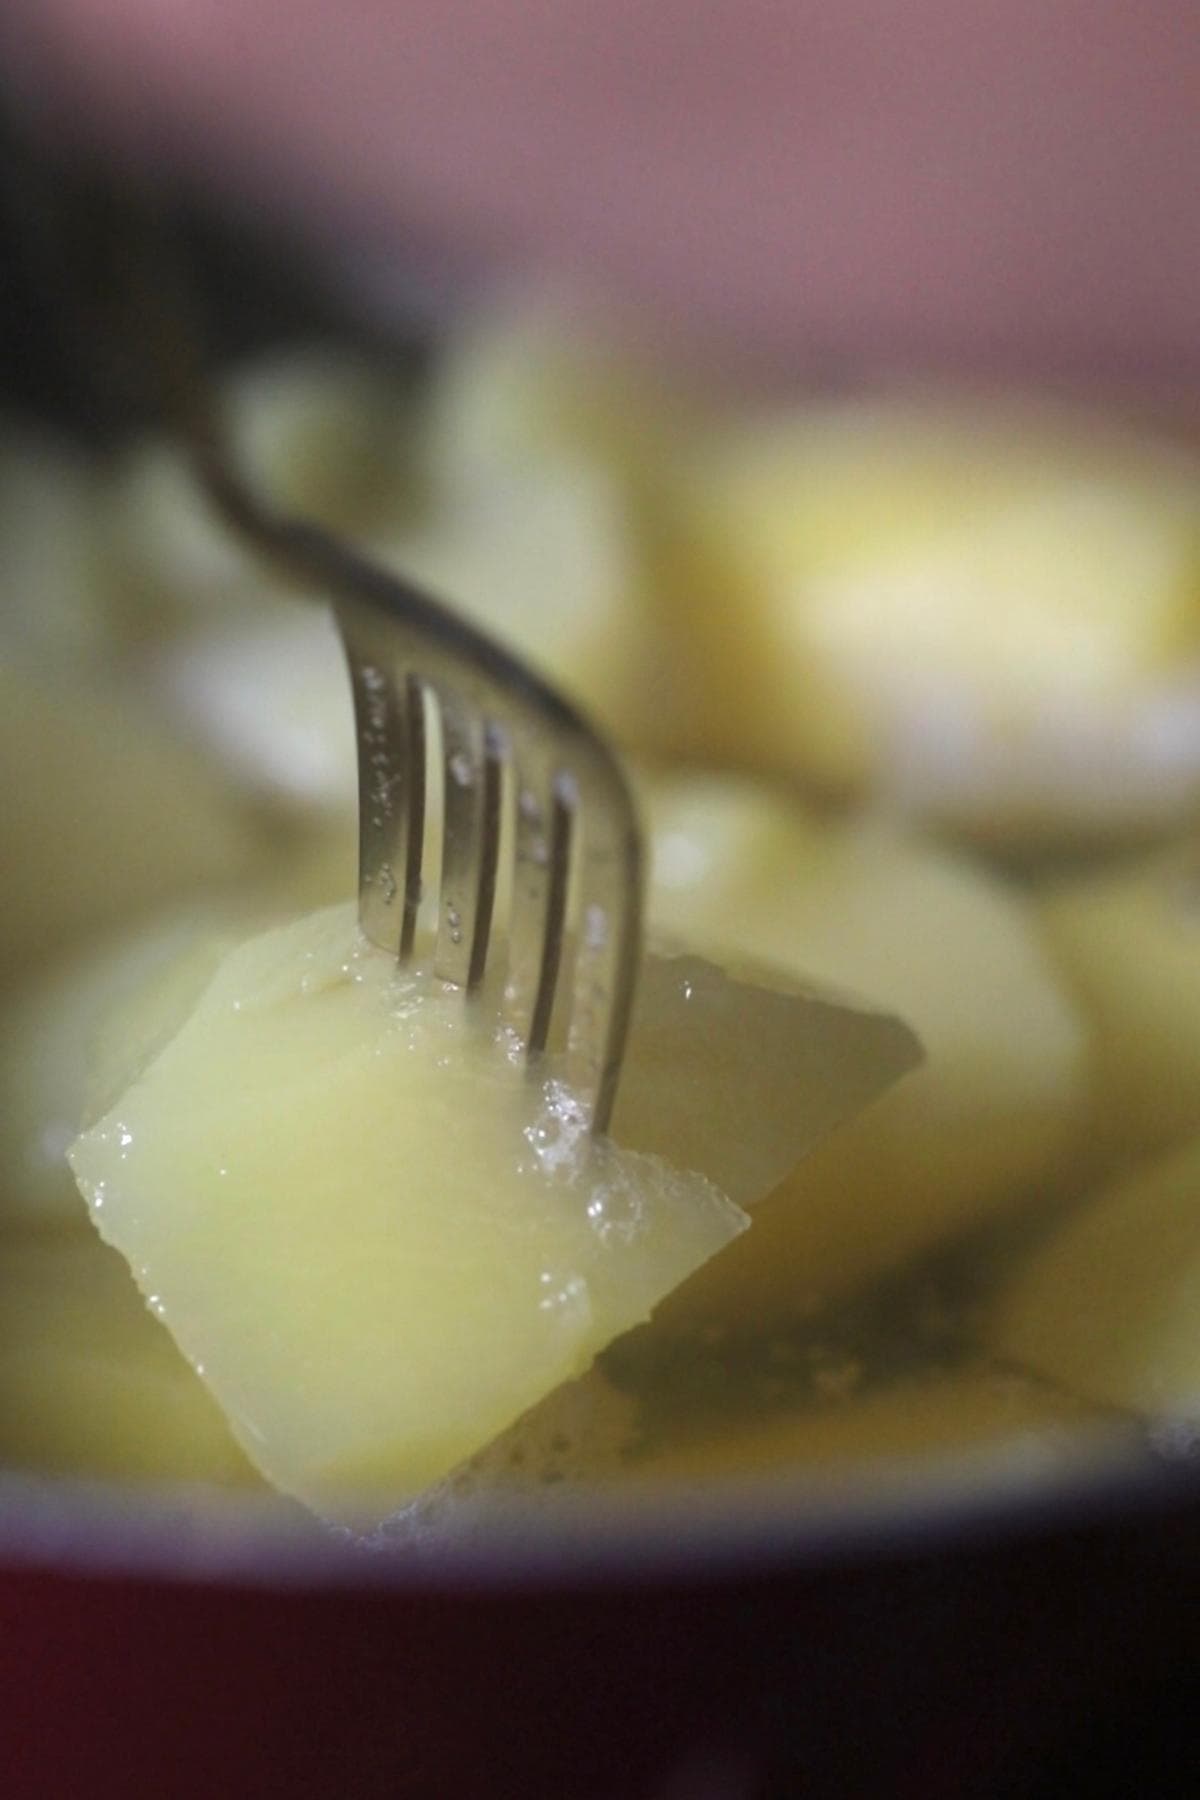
1005, 186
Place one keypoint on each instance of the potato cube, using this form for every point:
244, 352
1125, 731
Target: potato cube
984, 616
995, 1110
1128, 944
1109, 1306
105, 817
376, 1238
90, 1384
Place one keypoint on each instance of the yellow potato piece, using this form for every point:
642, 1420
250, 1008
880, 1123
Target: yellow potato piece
985, 616
265, 695
1128, 944
996, 1109
739, 1071
50, 554
69, 1038
531, 386
325, 433
1110, 1305
169, 557
967, 1430
550, 447
319, 433
543, 560
90, 1384
378, 1241
105, 817
914, 1426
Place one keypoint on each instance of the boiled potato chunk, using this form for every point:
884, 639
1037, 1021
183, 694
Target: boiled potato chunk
1128, 944
90, 1384
983, 1419
550, 446
323, 433
1110, 1305
66, 1042
543, 560
171, 559
944, 1431
526, 388
319, 434
984, 616
105, 816
265, 694
742, 1076
378, 1240
995, 1109
50, 555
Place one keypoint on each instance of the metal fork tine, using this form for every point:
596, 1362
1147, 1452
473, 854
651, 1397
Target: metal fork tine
563, 813
494, 752
383, 792
530, 890
414, 849
527, 1001
605, 954
472, 778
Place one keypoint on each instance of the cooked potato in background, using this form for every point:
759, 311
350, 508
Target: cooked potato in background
994, 1113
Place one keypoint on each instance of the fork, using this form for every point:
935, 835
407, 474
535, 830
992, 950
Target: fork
521, 778
445, 715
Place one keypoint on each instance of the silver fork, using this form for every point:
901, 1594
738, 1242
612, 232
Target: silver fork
519, 774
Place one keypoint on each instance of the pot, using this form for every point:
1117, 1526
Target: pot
758, 1643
